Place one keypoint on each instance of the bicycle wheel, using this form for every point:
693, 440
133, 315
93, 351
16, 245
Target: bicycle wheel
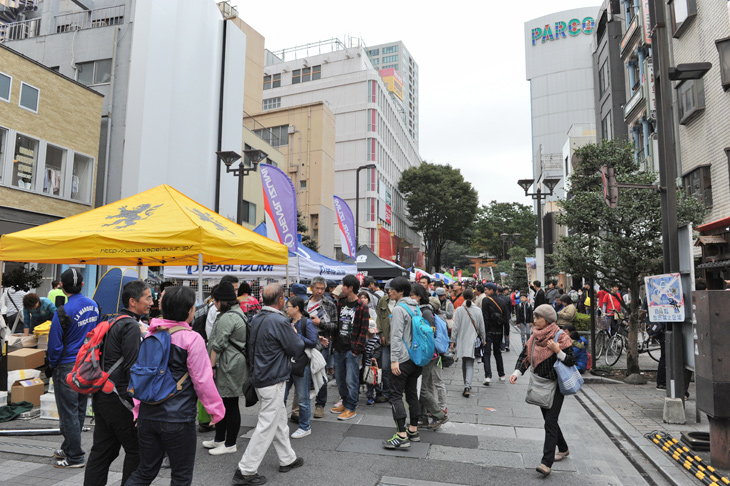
653, 348
601, 339
614, 348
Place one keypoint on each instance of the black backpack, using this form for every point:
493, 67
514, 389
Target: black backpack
199, 320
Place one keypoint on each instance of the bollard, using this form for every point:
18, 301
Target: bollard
720, 442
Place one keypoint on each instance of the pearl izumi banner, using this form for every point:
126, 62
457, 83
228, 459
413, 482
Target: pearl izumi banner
347, 227
280, 206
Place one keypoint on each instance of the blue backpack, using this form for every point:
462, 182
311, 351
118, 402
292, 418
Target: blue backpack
441, 340
150, 380
422, 343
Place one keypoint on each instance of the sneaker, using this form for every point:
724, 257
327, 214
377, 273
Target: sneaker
467, 391
502, 378
559, 456
507, 349
438, 423
299, 433
338, 408
371, 401
346, 415
318, 411
658, 387
294, 418
206, 428
297, 463
445, 410
211, 444
413, 436
487, 381
254, 479
223, 450
381, 399
59, 454
397, 442
543, 469
64, 464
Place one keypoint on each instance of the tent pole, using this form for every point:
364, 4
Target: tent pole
200, 278
287, 273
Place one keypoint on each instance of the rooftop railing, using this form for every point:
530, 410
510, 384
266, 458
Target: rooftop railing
20, 30
90, 19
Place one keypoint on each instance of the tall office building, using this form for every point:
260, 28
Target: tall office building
394, 56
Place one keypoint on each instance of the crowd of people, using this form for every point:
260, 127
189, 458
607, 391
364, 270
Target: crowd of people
355, 332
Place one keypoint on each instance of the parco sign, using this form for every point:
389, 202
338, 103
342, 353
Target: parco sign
563, 29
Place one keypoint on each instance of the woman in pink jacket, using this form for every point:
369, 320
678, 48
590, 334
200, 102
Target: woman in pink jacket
169, 427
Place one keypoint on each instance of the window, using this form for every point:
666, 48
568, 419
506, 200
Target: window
607, 127
29, 97
603, 78
375, 61
3, 141
683, 13
723, 49
389, 49
249, 212
25, 162
698, 183
94, 72
81, 178
372, 182
5, 83
371, 149
394, 66
371, 209
374, 52
276, 81
316, 72
691, 99
53, 177
296, 76
390, 58
371, 120
303, 185
372, 91
306, 75
267, 82
271, 103
275, 136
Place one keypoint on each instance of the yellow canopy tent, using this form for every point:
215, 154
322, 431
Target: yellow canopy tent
160, 226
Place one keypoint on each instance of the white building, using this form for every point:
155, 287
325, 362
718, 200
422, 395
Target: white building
558, 61
369, 130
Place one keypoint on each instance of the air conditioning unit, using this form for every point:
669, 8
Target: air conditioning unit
291, 130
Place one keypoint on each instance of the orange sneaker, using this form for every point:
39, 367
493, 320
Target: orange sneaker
338, 409
346, 415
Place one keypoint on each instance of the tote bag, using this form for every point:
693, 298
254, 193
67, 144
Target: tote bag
569, 378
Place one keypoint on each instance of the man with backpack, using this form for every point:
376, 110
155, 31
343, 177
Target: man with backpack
114, 421
69, 327
494, 322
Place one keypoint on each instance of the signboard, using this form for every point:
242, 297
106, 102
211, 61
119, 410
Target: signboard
385, 210
280, 206
647, 21
649, 73
393, 81
629, 34
346, 223
563, 29
665, 297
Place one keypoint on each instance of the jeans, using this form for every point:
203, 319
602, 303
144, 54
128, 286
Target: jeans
321, 399
347, 374
71, 414
428, 402
553, 434
525, 332
385, 366
157, 438
406, 382
114, 429
301, 385
227, 429
494, 343
467, 370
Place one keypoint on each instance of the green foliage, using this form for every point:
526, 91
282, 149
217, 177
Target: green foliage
501, 217
582, 322
516, 269
302, 228
441, 206
21, 278
454, 255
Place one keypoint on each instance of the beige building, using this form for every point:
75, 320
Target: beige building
49, 142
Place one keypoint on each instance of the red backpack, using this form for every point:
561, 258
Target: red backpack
88, 375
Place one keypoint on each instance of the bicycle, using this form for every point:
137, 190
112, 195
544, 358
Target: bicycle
602, 336
617, 343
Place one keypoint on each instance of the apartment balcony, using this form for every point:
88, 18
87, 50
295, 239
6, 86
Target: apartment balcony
631, 36
635, 105
20, 30
89, 19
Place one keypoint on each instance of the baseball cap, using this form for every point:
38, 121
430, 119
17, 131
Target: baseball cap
387, 285
492, 286
300, 290
440, 291
71, 278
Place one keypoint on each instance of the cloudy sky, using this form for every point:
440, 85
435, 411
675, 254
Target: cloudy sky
474, 99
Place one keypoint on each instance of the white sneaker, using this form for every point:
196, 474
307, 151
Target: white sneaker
299, 433
502, 378
222, 450
487, 381
211, 444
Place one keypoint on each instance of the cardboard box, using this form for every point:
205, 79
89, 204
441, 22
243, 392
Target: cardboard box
26, 358
28, 391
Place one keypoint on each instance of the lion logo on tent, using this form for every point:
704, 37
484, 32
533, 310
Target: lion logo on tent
208, 218
129, 217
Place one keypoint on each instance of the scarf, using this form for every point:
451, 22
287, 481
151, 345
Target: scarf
541, 337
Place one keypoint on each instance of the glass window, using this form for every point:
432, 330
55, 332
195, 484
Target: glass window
29, 97
25, 162
85, 72
723, 49
698, 184
103, 71
81, 179
393, 58
603, 78
267, 82
276, 81
683, 12
5, 83
302, 185
3, 141
691, 99
375, 61
296, 76
271, 103
374, 52
389, 49
54, 172
607, 127
306, 75
249, 212
316, 72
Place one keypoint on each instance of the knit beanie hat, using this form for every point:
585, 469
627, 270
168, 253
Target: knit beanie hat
224, 292
547, 312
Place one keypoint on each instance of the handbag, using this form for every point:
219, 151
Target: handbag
540, 391
373, 376
569, 378
478, 342
300, 363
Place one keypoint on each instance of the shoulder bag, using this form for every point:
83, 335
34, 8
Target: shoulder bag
569, 378
540, 391
300, 363
249, 391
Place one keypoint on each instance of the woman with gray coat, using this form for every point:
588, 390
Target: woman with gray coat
468, 324
226, 345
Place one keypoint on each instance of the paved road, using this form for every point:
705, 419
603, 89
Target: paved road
494, 437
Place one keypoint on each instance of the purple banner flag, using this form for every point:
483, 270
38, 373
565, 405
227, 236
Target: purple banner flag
347, 227
280, 206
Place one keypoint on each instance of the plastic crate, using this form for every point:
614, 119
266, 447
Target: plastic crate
48, 407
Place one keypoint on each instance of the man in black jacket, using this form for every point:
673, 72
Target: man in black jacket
540, 298
493, 313
114, 421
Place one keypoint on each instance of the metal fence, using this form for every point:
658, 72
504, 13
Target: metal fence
20, 30
90, 19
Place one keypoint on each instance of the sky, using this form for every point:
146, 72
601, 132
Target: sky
474, 99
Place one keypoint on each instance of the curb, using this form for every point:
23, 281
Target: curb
600, 380
648, 449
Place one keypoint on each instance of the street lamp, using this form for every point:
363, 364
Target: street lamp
228, 157
538, 196
512, 238
357, 203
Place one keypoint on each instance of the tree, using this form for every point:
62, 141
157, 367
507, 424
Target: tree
622, 244
454, 255
22, 278
302, 229
441, 205
516, 268
501, 217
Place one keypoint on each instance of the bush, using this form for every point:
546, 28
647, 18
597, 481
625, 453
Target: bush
582, 322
